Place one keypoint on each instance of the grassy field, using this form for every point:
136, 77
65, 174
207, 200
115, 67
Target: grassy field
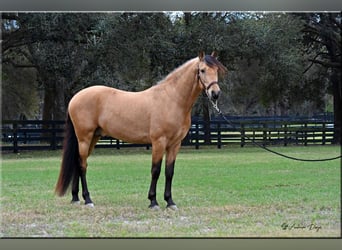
231, 192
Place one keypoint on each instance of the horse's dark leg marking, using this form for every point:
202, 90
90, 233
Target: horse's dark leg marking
152, 194
171, 155
169, 169
85, 192
75, 187
84, 150
82, 175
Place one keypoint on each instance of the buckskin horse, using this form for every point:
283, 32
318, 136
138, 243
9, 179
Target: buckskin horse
160, 115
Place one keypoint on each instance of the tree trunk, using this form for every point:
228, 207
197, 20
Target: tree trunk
334, 50
54, 107
336, 82
48, 104
187, 18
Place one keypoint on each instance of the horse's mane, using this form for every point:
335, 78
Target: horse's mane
211, 61
178, 72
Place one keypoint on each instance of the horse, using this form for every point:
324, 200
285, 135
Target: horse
159, 115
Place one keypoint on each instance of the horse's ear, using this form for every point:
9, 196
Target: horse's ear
201, 55
214, 54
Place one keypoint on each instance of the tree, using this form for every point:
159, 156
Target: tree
323, 40
55, 44
269, 62
138, 47
21, 99
19, 88
276, 65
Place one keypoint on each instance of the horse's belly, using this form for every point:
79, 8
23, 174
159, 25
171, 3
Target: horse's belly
127, 132
133, 137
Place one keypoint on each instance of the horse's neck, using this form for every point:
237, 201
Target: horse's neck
183, 84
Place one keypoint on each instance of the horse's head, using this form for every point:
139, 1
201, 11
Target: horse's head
208, 71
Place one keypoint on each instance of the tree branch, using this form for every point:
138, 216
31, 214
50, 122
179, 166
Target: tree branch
10, 16
327, 64
312, 61
18, 65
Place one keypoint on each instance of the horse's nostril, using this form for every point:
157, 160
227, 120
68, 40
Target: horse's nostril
215, 95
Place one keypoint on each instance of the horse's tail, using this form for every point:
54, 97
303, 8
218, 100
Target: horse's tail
71, 159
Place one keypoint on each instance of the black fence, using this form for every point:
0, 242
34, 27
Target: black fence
36, 135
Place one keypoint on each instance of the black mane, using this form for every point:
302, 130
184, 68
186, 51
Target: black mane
212, 61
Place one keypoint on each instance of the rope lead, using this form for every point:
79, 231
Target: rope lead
215, 106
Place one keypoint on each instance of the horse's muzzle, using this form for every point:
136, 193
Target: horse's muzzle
215, 94
213, 90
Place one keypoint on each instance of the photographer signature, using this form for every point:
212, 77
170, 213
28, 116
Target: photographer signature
299, 226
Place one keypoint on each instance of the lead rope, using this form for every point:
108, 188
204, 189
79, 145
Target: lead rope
215, 106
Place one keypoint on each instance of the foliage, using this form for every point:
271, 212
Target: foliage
138, 46
52, 43
278, 62
21, 99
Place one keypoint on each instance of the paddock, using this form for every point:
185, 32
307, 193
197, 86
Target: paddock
236, 192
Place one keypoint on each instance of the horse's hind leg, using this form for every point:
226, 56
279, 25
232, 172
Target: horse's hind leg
84, 149
95, 139
75, 188
81, 174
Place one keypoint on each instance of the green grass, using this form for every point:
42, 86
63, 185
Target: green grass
231, 192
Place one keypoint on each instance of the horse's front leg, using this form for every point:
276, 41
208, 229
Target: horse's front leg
152, 193
169, 171
158, 148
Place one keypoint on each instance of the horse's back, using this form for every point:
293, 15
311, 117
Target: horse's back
86, 95
120, 114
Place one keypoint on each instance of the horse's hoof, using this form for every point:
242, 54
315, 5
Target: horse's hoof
75, 202
154, 208
89, 205
172, 207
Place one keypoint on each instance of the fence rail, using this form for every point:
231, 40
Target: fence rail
36, 135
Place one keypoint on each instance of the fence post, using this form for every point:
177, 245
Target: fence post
219, 143
197, 136
305, 134
285, 134
264, 136
242, 134
323, 134
53, 139
15, 138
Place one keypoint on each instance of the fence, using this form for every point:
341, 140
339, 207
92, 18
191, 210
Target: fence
35, 135
266, 131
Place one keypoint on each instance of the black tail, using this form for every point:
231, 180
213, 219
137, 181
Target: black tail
71, 159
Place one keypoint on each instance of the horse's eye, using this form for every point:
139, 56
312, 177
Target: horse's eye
202, 70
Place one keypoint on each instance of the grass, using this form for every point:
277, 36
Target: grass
231, 192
